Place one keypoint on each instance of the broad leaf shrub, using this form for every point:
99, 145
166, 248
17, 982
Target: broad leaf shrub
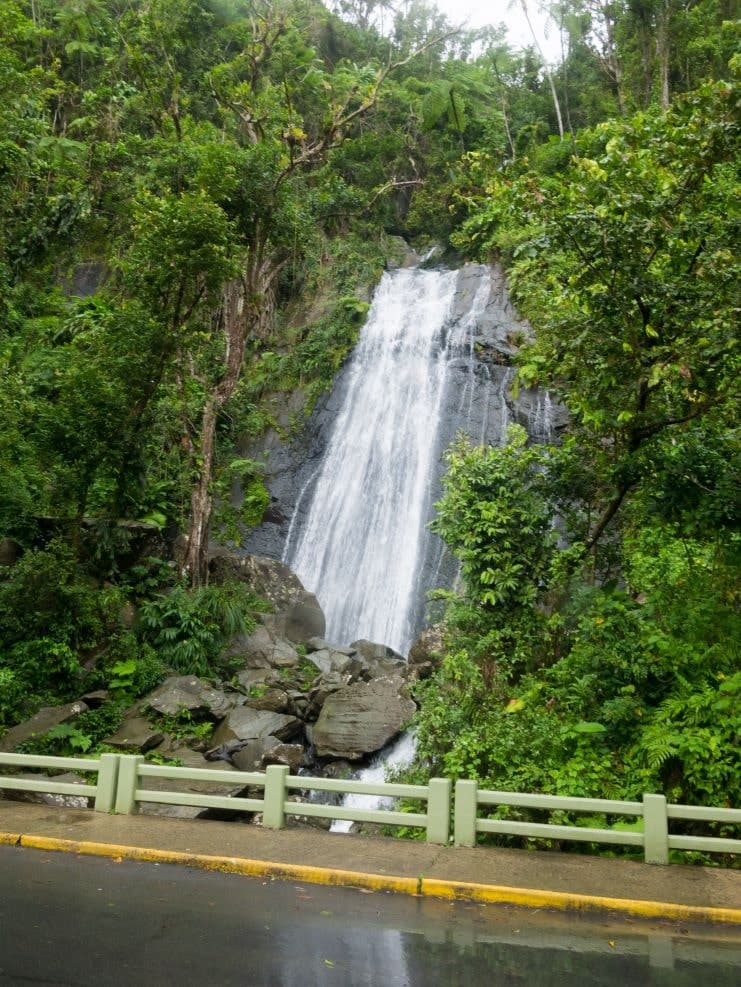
188, 629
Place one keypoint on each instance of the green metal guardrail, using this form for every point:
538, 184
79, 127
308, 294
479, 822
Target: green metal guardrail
656, 840
275, 804
103, 791
121, 787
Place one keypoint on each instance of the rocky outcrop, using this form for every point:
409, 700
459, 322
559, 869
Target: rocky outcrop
265, 577
426, 652
360, 719
298, 616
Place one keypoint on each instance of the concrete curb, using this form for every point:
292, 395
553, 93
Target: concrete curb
421, 886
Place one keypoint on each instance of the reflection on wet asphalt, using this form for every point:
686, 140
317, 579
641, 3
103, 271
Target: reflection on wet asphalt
74, 921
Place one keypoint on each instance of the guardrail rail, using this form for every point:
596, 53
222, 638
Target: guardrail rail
654, 811
103, 791
121, 787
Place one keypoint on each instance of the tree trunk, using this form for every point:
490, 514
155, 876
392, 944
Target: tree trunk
613, 62
247, 307
195, 563
662, 53
549, 77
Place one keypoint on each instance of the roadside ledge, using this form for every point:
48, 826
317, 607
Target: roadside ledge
423, 886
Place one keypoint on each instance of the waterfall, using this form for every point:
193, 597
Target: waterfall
400, 753
362, 541
541, 422
363, 545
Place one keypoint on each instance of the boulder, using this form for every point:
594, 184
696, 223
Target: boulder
375, 652
186, 692
250, 677
384, 668
96, 698
135, 736
284, 655
274, 700
248, 756
245, 723
239, 649
428, 646
261, 649
328, 660
292, 755
319, 644
319, 693
40, 723
379, 660
300, 622
361, 718
265, 577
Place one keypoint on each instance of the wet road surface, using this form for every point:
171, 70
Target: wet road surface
75, 921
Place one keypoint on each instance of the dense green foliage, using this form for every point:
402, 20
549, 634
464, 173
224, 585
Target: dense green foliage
620, 673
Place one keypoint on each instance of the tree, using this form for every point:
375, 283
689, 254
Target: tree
548, 73
626, 263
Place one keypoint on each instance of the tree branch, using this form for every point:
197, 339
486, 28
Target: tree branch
335, 131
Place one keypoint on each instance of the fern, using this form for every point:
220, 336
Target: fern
435, 103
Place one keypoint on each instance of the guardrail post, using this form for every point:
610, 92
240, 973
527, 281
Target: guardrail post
105, 794
128, 771
273, 813
438, 810
464, 832
655, 830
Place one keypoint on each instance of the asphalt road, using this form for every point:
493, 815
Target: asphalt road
74, 921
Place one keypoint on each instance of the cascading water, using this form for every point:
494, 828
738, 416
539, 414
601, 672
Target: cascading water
541, 422
361, 543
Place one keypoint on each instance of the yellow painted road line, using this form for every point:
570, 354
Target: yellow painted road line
426, 886
568, 901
